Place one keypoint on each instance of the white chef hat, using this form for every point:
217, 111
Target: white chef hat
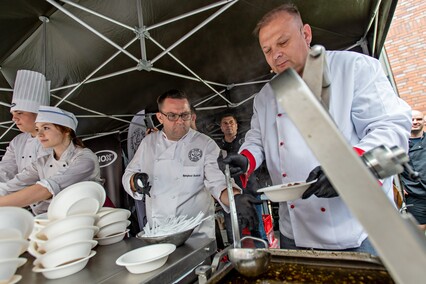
57, 116
30, 91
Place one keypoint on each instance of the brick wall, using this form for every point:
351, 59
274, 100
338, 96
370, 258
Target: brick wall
406, 49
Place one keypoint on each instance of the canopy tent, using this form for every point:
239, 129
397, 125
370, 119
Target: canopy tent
108, 59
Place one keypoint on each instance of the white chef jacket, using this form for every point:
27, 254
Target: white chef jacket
21, 152
183, 174
367, 112
75, 165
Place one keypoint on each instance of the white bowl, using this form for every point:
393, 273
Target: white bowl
111, 239
17, 218
69, 199
15, 279
287, 191
104, 210
68, 224
113, 228
41, 219
10, 234
113, 216
32, 249
12, 248
81, 234
87, 205
64, 270
65, 254
8, 268
146, 259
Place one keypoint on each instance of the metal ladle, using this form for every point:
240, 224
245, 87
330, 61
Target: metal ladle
247, 261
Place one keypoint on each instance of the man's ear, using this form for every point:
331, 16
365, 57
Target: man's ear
307, 34
159, 117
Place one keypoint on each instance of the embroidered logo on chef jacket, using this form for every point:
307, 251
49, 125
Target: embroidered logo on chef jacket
195, 155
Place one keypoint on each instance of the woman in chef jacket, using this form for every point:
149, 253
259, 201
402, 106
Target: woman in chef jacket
69, 163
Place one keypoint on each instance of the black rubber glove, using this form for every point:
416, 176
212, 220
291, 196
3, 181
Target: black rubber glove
238, 164
322, 187
246, 211
141, 184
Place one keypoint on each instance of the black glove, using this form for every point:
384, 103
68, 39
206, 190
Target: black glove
246, 211
322, 187
141, 184
238, 164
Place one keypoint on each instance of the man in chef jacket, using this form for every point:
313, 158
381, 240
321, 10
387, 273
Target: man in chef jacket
30, 91
182, 170
365, 109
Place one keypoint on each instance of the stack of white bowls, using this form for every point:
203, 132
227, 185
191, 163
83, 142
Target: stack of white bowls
62, 239
112, 223
16, 225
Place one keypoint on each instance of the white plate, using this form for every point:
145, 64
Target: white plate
64, 270
15, 279
287, 191
146, 259
65, 200
111, 239
17, 218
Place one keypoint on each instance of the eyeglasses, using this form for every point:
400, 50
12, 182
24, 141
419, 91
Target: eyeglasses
174, 116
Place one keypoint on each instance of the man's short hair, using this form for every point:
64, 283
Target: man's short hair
228, 115
289, 8
171, 94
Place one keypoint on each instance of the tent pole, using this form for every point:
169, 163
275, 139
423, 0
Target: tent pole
140, 21
97, 14
86, 80
194, 12
194, 30
84, 24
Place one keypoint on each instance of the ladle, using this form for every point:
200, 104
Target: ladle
247, 261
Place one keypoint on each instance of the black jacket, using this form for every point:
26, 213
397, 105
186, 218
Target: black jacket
417, 154
233, 147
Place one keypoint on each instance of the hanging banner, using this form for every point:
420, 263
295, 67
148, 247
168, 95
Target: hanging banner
137, 130
136, 133
108, 150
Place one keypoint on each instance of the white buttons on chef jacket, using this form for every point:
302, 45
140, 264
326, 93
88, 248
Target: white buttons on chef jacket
155, 178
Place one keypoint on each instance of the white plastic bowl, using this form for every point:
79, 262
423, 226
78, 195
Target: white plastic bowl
111, 239
64, 270
41, 219
113, 228
286, 192
17, 218
87, 205
146, 259
104, 210
80, 234
69, 200
10, 234
112, 216
8, 268
68, 224
12, 248
65, 254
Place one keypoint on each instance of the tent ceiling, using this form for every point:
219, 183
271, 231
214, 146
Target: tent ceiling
222, 52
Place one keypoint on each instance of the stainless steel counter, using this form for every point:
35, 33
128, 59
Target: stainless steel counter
102, 268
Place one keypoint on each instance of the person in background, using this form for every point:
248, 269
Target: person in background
415, 190
30, 91
366, 111
231, 143
70, 162
182, 171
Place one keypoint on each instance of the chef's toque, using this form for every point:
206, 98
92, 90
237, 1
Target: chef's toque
30, 91
57, 116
